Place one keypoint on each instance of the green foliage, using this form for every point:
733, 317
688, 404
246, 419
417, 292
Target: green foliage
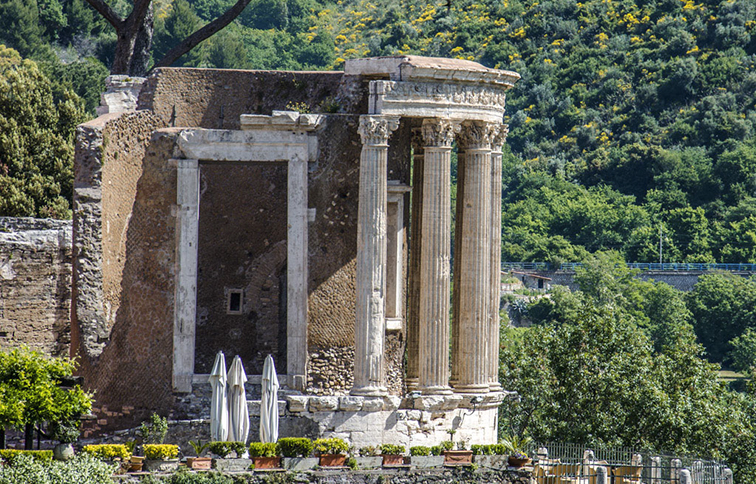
223, 449
369, 451
11, 455
260, 449
743, 354
392, 449
593, 375
37, 122
295, 446
30, 392
108, 451
65, 432
419, 450
185, 476
178, 25
154, 431
82, 469
160, 451
198, 446
723, 307
330, 446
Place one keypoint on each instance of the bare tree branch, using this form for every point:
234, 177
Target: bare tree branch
139, 12
107, 13
202, 34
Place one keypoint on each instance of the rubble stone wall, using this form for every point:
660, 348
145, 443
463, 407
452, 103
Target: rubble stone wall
35, 282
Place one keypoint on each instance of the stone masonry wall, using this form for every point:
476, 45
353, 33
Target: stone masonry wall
35, 275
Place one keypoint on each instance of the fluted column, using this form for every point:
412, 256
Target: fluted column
435, 254
473, 248
371, 256
412, 376
492, 349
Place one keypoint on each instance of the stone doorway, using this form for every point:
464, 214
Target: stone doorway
241, 270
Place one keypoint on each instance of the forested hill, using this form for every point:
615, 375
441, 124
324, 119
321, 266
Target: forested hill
633, 121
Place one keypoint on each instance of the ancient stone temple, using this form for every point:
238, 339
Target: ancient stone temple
306, 215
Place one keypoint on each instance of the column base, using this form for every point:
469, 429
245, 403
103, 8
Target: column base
369, 391
412, 384
495, 387
436, 390
472, 388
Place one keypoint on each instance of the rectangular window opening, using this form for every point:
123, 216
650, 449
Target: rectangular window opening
234, 301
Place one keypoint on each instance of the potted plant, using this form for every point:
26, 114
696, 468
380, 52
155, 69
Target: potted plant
114, 453
369, 458
264, 455
296, 453
160, 457
493, 456
228, 456
393, 455
332, 452
458, 457
422, 456
199, 462
517, 448
66, 433
155, 431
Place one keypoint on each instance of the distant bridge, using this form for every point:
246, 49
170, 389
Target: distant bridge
682, 276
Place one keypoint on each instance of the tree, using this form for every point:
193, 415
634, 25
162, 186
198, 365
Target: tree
37, 129
134, 34
31, 392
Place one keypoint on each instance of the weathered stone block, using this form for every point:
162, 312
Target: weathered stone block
231, 465
372, 404
324, 404
350, 404
296, 403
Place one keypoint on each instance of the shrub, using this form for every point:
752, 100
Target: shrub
368, 451
392, 449
420, 450
259, 449
222, 449
65, 432
436, 450
478, 449
82, 469
108, 451
295, 447
160, 451
185, 476
330, 446
154, 432
10, 455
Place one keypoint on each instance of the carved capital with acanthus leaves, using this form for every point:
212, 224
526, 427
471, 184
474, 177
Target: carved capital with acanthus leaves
375, 130
439, 132
478, 135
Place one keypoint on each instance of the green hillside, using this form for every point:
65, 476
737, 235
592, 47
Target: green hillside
633, 121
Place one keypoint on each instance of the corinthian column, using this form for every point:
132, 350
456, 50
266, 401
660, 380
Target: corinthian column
412, 370
371, 256
473, 248
495, 266
435, 254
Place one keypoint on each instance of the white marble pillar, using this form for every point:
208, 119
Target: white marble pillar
371, 256
435, 255
473, 247
492, 349
412, 368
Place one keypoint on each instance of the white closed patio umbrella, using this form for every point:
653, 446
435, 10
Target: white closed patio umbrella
269, 403
237, 402
218, 405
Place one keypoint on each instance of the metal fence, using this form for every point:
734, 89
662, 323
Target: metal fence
559, 463
646, 266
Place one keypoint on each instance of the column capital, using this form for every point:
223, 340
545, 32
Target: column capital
375, 130
478, 135
500, 137
439, 132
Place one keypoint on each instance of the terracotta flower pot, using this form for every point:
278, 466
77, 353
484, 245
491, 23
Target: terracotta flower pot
199, 463
332, 460
392, 459
267, 462
457, 457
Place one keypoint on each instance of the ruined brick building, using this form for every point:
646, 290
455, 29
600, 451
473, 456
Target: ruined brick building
216, 216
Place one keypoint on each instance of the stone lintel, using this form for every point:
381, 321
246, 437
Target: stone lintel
281, 120
253, 145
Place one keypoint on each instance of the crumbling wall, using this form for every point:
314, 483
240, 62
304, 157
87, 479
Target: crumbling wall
35, 274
